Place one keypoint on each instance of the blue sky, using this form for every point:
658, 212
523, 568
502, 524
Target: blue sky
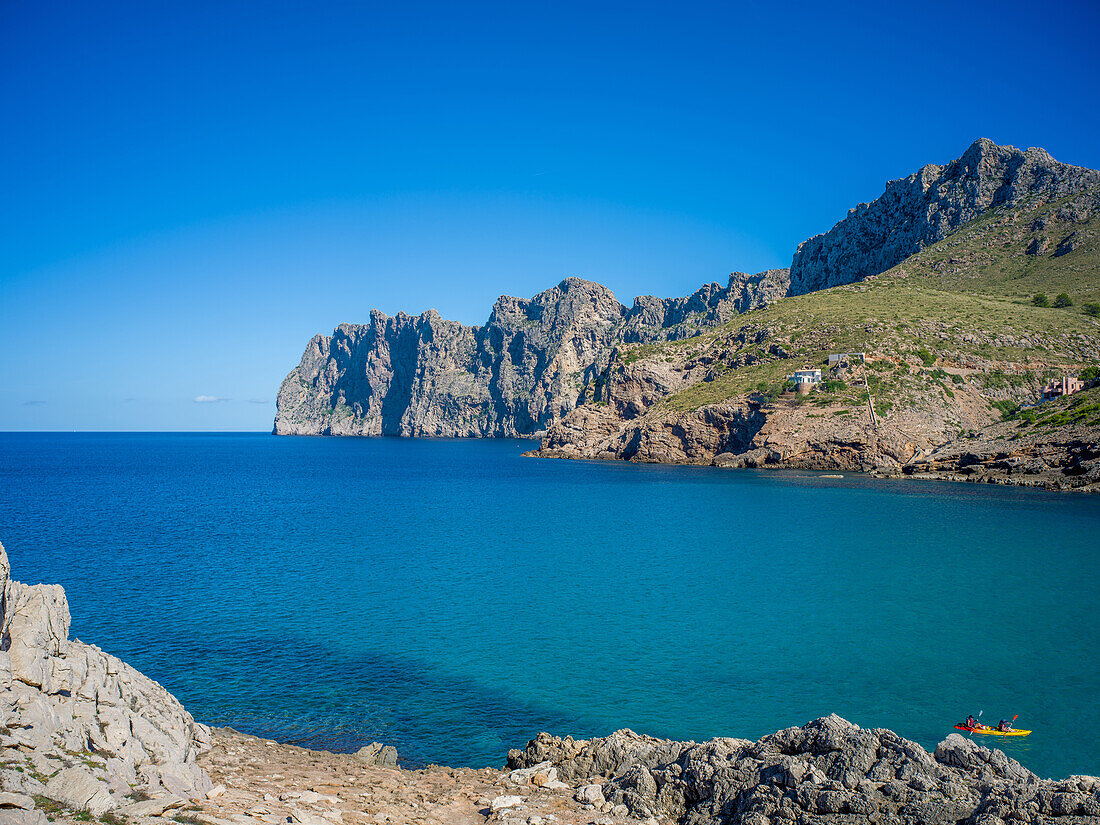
193, 190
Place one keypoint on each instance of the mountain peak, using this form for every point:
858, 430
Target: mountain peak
926, 207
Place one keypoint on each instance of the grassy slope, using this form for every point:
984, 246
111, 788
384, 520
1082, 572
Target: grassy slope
963, 301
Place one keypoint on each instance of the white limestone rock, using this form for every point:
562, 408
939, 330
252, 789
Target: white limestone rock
590, 795
79, 789
61, 696
152, 807
16, 800
525, 776
16, 816
20, 782
506, 801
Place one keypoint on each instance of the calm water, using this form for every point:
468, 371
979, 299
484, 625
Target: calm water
453, 598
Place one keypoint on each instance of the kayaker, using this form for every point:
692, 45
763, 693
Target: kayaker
971, 722
1004, 725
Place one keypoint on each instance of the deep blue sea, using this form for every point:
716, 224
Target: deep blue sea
453, 598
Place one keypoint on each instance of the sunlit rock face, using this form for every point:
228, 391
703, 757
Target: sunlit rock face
926, 207
525, 369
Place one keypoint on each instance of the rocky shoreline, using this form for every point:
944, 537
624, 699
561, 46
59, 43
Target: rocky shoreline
785, 434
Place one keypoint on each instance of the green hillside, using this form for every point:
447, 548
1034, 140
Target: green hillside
1050, 249
961, 311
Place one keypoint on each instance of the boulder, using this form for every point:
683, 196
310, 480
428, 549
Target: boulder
590, 795
502, 802
152, 807
377, 754
16, 800
79, 789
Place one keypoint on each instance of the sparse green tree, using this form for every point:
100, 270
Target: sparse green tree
1063, 300
1092, 309
1040, 300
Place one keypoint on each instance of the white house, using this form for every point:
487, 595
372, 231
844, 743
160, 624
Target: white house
806, 376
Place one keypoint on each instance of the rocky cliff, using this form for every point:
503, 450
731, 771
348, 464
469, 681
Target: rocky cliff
929, 205
526, 368
79, 726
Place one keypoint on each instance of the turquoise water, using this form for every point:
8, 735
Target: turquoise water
453, 598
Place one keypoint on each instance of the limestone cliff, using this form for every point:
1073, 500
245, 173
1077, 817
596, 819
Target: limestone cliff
526, 368
929, 205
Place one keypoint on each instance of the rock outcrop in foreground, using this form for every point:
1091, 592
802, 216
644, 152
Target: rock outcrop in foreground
828, 771
79, 726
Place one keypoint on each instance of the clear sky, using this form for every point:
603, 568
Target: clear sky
192, 190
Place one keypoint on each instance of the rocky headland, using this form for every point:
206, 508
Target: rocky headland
86, 737
939, 286
527, 367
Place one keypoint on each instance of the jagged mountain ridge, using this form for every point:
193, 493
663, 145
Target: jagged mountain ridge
524, 369
929, 205
537, 360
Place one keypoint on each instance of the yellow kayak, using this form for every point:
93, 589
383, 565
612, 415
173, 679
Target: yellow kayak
993, 731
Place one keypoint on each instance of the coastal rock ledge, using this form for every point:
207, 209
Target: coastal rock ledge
79, 726
828, 771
